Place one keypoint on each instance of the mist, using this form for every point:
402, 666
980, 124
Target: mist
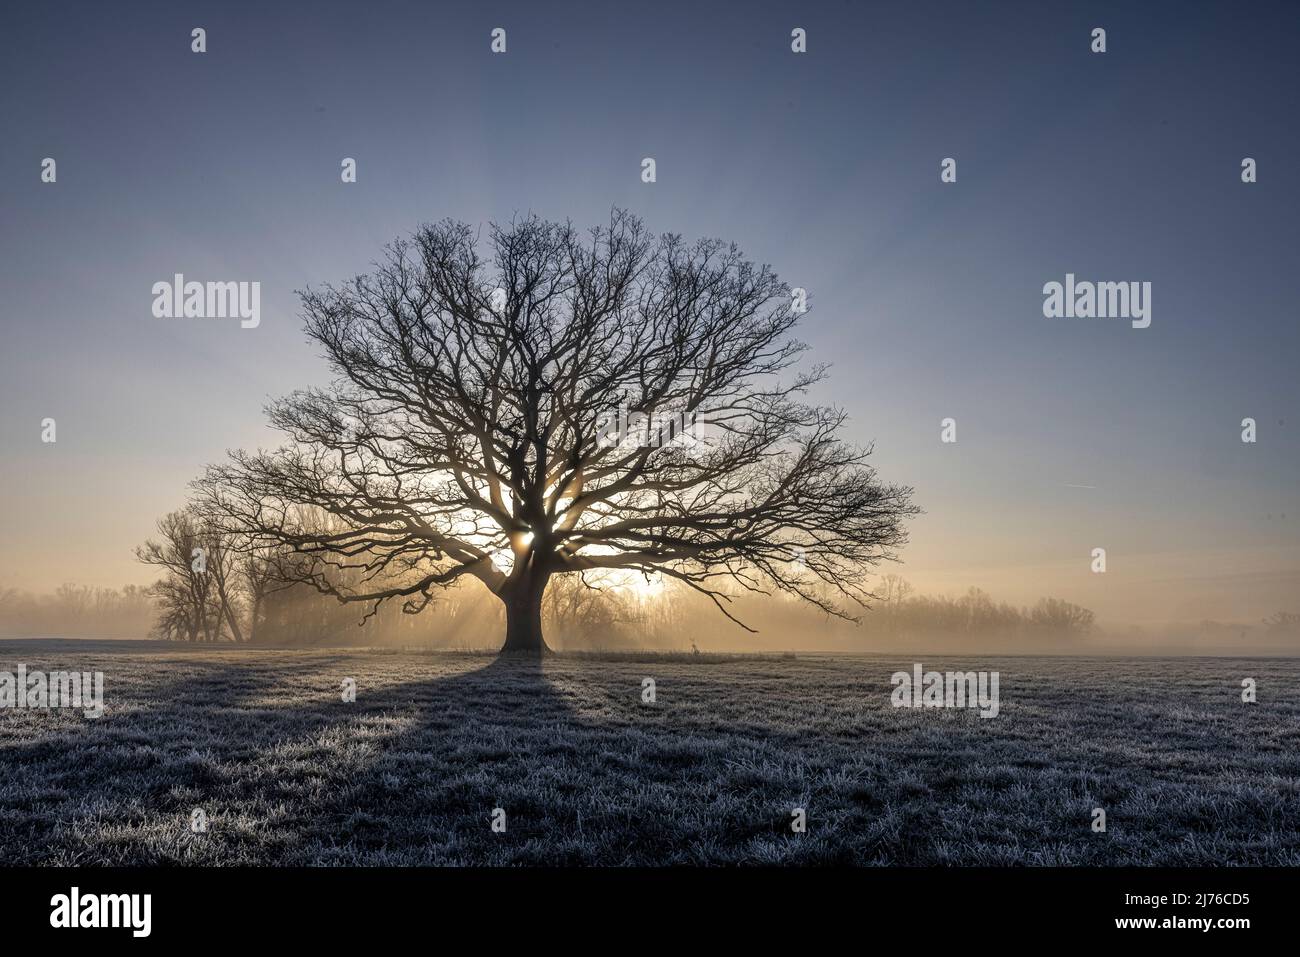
671, 619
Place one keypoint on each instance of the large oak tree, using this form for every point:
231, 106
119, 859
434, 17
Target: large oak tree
501, 413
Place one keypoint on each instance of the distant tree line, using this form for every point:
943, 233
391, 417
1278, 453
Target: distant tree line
245, 595
1280, 624
77, 611
902, 613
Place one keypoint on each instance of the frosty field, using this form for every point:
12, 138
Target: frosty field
586, 773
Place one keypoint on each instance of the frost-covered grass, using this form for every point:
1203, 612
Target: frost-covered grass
588, 774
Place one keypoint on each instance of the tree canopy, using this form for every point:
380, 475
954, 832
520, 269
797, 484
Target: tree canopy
498, 414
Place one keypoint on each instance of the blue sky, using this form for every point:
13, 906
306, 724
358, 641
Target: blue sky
926, 297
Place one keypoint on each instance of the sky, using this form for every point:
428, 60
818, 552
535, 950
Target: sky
925, 297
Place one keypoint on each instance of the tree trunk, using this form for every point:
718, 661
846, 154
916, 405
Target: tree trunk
523, 601
252, 624
236, 632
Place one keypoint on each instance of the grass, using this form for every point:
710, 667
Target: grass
588, 774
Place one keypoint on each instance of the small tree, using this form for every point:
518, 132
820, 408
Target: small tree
184, 594
199, 595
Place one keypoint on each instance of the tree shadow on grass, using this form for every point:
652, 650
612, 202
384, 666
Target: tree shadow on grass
410, 773
582, 770
285, 769
432, 765
171, 732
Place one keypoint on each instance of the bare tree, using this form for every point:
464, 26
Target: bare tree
502, 418
259, 576
588, 608
1058, 615
201, 595
188, 606
223, 560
